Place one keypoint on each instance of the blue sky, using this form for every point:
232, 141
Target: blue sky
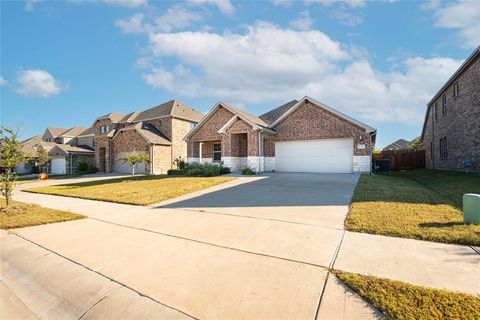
66, 63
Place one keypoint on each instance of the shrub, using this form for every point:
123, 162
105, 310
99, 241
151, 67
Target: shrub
247, 171
211, 170
83, 167
225, 170
173, 172
180, 163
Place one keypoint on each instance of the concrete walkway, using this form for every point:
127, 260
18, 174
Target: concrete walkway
255, 247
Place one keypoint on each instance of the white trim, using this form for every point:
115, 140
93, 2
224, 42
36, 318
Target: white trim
330, 109
227, 124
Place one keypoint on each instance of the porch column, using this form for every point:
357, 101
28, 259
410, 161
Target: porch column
200, 152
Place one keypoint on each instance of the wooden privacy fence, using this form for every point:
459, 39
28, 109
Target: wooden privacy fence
403, 159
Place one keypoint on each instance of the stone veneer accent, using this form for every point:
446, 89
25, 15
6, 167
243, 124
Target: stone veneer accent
460, 124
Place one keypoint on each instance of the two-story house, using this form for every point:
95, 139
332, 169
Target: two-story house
157, 131
451, 130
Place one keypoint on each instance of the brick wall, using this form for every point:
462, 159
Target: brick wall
165, 129
208, 131
460, 124
240, 126
180, 128
310, 122
161, 159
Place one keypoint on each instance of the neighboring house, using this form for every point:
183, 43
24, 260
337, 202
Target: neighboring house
30, 146
400, 144
299, 136
451, 130
158, 131
66, 147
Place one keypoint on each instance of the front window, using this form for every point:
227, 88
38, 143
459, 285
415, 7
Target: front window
217, 152
160, 123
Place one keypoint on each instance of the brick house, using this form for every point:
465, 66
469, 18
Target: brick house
66, 147
299, 136
451, 130
158, 131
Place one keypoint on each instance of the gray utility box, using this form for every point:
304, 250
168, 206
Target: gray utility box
471, 208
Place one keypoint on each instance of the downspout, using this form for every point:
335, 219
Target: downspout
258, 144
152, 158
200, 152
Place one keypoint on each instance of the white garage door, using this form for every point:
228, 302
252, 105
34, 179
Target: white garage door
122, 167
59, 165
328, 155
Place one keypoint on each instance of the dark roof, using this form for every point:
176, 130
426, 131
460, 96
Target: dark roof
400, 144
152, 134
31, 145
271, 116
172, 108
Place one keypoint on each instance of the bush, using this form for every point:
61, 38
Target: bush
173, 172
180, 163
82, 167
224, 170
247, 171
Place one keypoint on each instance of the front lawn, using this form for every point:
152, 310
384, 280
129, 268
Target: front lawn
400, 300
143, 190
422, 204
21, 214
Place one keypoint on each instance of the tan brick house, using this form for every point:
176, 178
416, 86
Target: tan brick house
158, 131
299, 136
451, 130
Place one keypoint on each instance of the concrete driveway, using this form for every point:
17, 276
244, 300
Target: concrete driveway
257, 247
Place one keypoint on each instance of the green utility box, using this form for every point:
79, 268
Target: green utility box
471, 208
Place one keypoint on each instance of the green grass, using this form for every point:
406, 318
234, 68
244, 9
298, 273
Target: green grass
400, 300
422, 204
143, 190
21, 214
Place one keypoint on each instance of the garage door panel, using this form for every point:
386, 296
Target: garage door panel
121, 167
59, 165
329, 155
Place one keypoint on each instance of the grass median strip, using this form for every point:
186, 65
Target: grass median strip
400, 300
142, 190
21, 214
423, 204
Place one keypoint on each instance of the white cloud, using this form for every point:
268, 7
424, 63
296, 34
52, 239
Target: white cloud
463, 16
282, 3
176, 17
37, 83
126, 3
350, 3
3, 81
270, 65
345, 17
303, 22
30, 4
225, 6
132, 25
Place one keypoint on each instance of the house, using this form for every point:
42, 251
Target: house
66, 147
400, 144
451, 130
30, 147
158, 131
72, 147
299, 136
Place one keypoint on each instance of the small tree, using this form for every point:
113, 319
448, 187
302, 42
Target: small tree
11, 154
416, 143
43, 158
135, 158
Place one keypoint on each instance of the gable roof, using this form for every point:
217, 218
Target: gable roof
271, 116
31, 145
172, 108
475, 54
325, 107
73, 132
55, 132
87, 132
400, 144
148, 131
73, 149
114, 117
251, 119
